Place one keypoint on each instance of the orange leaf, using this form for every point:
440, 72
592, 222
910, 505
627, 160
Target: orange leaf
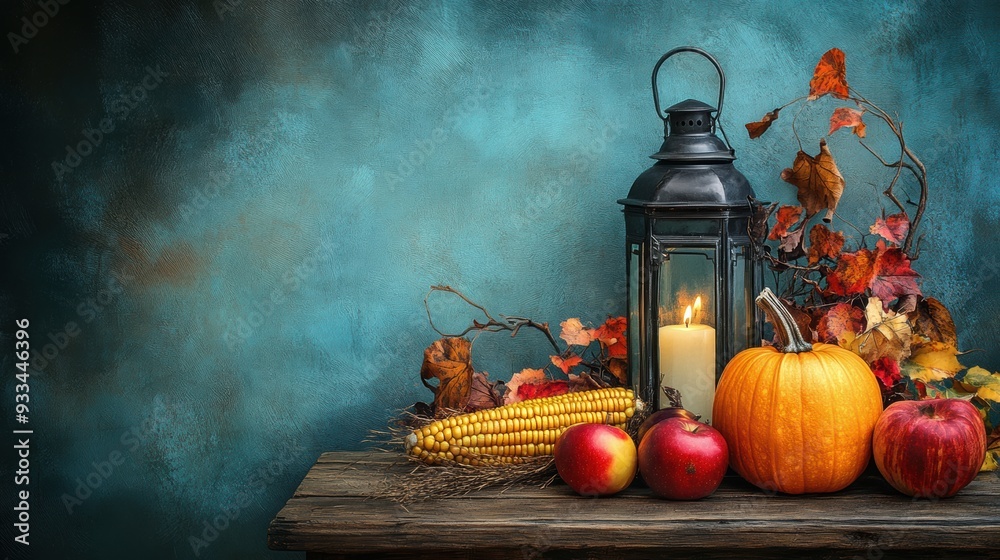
787, 217
824, 243
573, 332
893, 228
893, 277
449, 360
830, 76
840, 319
612, 336
853, 274
847, 117
566, 364
819, 181
760, 127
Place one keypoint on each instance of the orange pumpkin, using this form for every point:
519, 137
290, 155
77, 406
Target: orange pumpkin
798, 419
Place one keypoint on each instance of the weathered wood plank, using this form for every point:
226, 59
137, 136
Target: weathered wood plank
331, 514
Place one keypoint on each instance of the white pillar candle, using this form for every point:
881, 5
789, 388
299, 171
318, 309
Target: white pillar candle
687, 363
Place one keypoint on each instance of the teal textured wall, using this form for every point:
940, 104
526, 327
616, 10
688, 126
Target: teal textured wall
231, 276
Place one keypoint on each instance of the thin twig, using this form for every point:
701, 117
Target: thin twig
512, 324
796, 100
848, 222
915, 166
795, 132
899, 167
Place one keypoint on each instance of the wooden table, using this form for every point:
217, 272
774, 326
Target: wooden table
330, 516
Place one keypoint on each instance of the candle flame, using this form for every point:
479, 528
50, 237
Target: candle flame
687, 317
697, 304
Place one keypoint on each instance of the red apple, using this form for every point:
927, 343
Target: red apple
595, 459
683, 459
930, 449
660, 416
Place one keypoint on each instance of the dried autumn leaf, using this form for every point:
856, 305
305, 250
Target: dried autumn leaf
853, 274
907, 304
526, 375
893, 277
791, 246
987, 384
483, 393
574, 333
824, 243
933, 361
567, 363
893, 228
819, 182
887, 372
755, 129
830, 76
992, 462
802, 318
839, 320
619, 368
449, 360
933, 320
758, 228
612, 337
847, 117
581, 383
787, 217
887, 335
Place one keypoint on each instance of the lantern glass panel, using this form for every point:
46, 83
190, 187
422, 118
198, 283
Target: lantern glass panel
687, 341
634, 349
743, 294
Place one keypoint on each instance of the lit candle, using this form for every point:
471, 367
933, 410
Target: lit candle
687, 363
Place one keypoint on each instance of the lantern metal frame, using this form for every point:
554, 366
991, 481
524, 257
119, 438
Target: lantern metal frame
692, 198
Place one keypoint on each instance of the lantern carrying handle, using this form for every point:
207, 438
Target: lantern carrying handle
672, 52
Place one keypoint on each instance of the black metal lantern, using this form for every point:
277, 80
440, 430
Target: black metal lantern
691, 270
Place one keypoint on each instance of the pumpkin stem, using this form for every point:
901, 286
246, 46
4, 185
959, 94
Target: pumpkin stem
784, 324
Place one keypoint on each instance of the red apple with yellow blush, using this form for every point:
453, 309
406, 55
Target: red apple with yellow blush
595, 459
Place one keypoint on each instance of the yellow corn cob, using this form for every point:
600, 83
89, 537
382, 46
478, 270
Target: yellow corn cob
510, 433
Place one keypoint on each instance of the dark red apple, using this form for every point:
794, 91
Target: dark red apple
595, 459
661, 415
929, 449
683, 459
